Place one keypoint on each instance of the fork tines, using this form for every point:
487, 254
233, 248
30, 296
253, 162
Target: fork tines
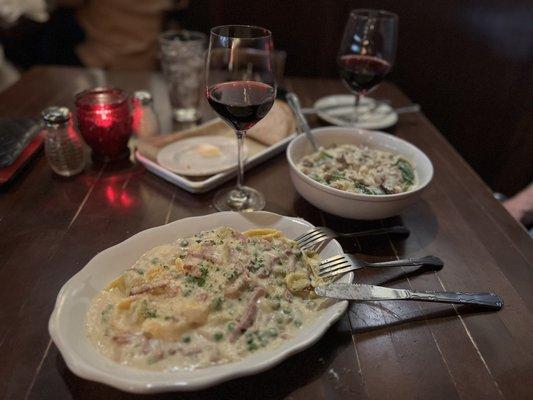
311, 238
335, 265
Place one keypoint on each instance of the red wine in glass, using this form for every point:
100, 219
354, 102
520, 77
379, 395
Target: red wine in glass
240, 86
362, 73
367, 51
241, 104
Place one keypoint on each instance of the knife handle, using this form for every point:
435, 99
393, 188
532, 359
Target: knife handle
488, 300
390, 230
431, 261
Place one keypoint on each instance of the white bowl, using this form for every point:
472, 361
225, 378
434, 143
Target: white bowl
67, 322
354, 205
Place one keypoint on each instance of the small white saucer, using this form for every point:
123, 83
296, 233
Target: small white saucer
192, 156
338, 110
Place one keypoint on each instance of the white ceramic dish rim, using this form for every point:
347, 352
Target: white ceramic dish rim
384, 123
170, 149
263, 360
356, 196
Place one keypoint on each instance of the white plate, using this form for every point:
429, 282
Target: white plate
210, 182
337, 109
183, 157
66, 325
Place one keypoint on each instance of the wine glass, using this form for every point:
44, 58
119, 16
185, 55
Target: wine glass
241, 88
367, 50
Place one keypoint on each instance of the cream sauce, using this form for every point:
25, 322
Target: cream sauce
209, 299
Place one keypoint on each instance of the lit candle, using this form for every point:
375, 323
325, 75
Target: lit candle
104, 121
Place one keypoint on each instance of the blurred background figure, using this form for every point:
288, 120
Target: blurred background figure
10, 13
121, 34
108, 34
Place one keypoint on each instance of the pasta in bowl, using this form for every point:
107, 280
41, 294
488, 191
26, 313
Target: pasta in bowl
68, 321
357, 173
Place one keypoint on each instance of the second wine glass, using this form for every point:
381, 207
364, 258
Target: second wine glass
367, 50
241, 88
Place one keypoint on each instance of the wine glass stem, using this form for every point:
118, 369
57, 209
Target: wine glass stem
240, 161
356, 105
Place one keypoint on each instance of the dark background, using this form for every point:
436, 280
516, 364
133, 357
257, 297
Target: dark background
468, 63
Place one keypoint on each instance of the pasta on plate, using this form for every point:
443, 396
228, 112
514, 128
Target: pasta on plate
209, 299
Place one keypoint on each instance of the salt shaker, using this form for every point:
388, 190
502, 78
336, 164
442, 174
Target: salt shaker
63, 146
145, 121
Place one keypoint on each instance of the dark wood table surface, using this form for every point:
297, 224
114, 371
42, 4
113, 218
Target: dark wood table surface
51, 227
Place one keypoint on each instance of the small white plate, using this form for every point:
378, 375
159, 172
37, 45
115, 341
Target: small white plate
67, 322
338, 109
184, 157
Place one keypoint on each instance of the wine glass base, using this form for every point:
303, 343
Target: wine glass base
243, 199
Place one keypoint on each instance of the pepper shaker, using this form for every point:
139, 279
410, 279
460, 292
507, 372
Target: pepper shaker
145, 121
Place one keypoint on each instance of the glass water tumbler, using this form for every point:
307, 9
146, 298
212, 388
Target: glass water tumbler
104, 121
182, 62
63, 146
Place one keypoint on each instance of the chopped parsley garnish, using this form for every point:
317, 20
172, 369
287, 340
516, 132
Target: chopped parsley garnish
232, 275
217, 303
146, 311
199, 280
105, 312
186, 339
256, 264
218, 336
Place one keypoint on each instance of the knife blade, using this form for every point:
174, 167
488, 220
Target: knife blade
361, 292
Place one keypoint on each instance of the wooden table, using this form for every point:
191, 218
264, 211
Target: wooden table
51, 227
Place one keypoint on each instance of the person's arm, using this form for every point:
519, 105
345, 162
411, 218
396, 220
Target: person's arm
520, 206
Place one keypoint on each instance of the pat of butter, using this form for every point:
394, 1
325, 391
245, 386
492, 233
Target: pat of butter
208, 150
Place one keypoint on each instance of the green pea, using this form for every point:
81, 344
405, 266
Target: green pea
272, 332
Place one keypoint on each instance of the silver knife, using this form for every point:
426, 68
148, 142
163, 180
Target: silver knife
360, 292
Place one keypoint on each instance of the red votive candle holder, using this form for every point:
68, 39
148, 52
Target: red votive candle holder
104, 121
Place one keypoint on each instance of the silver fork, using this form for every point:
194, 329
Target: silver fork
344, 263
319, 234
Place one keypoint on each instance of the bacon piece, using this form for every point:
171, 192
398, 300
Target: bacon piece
248, 318
202, 296
239, 236
149, 287
122, 339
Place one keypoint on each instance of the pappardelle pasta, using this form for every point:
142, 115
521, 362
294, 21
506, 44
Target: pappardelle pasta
209, 299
